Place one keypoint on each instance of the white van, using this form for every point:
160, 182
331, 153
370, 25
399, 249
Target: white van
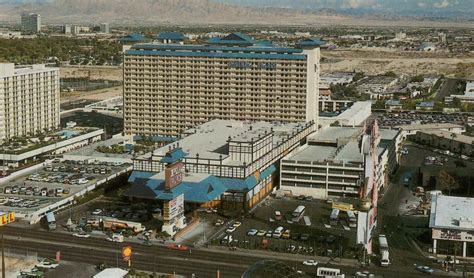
278, 232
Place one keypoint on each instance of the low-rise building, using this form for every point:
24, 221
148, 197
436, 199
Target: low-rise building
412, 129
225, 163
456, 143
339, 78
425, 106
335, 163
467, 97
377, 86
451, 219
393, 104
354, 115
334, 105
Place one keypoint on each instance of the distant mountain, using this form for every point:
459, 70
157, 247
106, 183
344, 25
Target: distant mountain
151, 12
396, 8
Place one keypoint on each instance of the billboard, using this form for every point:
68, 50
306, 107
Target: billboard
173, 175
174, 208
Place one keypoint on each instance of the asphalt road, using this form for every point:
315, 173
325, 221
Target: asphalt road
201, 262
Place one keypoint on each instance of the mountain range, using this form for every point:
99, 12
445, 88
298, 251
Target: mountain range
274, 12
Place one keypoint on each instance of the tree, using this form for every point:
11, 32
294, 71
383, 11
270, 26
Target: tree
418, 78
447, 182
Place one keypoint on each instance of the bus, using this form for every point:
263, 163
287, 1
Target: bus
298, 213
51, 220
307, 221
329, 272
351, 219
334, 218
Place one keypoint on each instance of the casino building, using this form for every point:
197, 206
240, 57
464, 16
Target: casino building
223, 163
169, 88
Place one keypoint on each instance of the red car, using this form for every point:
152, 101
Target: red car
178, 247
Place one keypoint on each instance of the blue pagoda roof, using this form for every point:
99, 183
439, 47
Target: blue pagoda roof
134, 37
173, 156
311, 42
174, 36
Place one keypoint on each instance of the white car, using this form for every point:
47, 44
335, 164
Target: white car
310, 262
96, 212
47, 265
83, 235
237, 224
230, 229
252, 232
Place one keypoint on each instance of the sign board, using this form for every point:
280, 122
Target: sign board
6, 218
173, 175
174, 208
127, 253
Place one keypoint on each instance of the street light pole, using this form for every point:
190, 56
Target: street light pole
3, 255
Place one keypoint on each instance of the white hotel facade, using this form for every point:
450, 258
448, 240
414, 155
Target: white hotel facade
29, 100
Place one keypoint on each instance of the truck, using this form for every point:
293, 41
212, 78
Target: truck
384, 253
51, 220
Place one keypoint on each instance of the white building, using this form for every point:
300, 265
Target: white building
29, 100
412, 129
353, 116
104, 28
31, 23
452, 219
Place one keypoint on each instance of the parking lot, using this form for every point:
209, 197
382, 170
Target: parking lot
406, 118
265, 229
52, 183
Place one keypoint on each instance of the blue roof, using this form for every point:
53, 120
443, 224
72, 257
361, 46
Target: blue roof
68, 133
206, 190
173, 156
215, 48
426, 104
134, 37
174, 36
217, 55
140, 174
392, 102
312, 42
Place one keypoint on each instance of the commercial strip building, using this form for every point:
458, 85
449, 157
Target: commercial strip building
225, 163
29, 100
412, 129
451, 219
354, 115
456, 143
30, 23
71, 139
333, 163
169, 88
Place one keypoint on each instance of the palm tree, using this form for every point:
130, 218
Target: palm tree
447, 181
453, 135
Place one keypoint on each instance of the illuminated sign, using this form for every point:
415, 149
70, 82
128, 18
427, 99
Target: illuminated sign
173, 208
174, 175
127, 253
7, 218
251, 65
342, 206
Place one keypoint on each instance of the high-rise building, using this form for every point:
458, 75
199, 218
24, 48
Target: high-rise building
29, 100
31, 22
104, 28
169, 88
442, 38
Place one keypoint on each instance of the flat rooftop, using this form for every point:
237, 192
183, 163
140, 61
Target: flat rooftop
347, 153
210, 140
447, 135
428, 126
449, 212
332, 134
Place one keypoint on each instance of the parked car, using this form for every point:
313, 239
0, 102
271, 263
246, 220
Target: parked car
261, 232
96, 212
237, 224
47, 264
219, 222
269, 233
230, 230
252, 232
